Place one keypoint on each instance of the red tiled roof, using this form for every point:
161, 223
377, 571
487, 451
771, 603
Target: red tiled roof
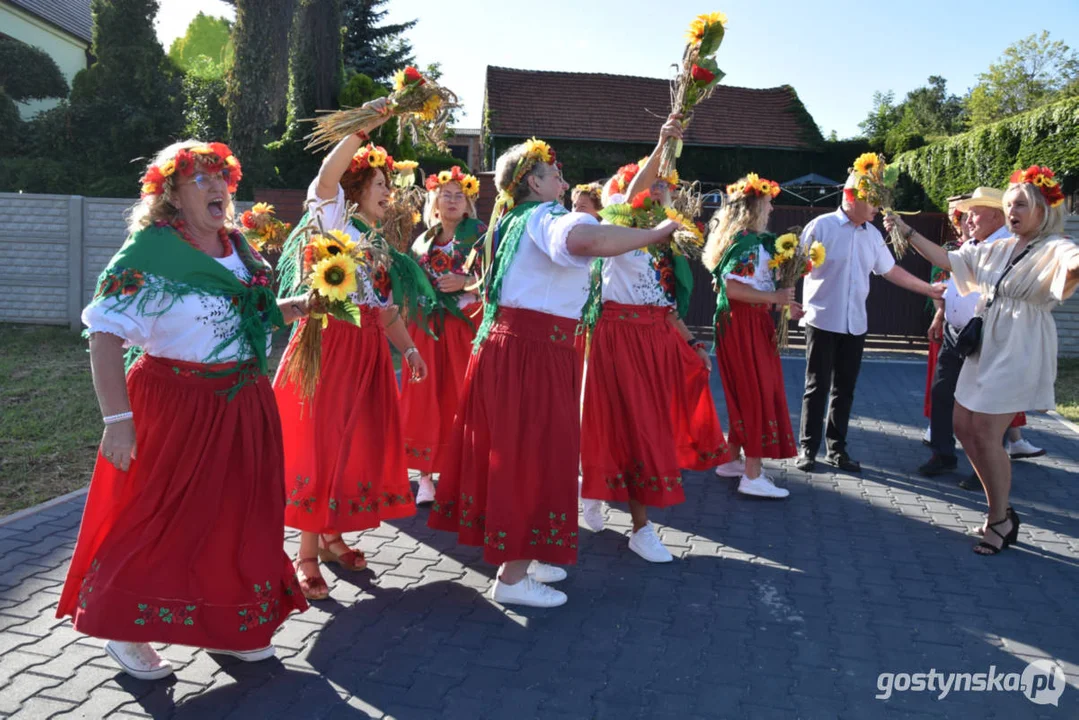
622, 108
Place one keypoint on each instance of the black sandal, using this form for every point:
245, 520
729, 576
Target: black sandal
1013, 536
992, 549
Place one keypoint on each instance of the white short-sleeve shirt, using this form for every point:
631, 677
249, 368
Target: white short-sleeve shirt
835, 292
543, 275
960, 309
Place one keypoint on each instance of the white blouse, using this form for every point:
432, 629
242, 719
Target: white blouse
189, 330
752, 269
543, 275
372, 288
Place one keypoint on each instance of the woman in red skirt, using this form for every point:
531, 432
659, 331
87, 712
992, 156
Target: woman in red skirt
737, 254
181, 539
509, 484
344, 454
445, 338
646, 398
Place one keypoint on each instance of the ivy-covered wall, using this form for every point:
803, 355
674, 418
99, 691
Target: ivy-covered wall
589, 160
987, 155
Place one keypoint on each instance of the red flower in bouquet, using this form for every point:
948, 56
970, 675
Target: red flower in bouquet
248, 220
702, 75
642, 200
413, 75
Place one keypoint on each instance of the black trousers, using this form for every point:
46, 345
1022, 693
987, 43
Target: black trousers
833, 361
942, 394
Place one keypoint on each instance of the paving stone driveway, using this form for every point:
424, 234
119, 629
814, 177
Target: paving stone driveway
784, 610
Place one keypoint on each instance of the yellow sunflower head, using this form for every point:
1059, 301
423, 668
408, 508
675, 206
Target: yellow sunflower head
399, 79
786, 243
538, 150
376, 158
168, 167
405, 166
470, 185
260, 208
335, 277
333, 243
816, 253
430, 108
444, 177
868, 164
775, 262
700, 24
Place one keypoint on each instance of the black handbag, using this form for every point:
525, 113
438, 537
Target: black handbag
969, 340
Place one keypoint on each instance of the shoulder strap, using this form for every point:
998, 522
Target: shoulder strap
1012, 264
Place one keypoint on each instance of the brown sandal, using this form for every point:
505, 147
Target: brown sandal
351, 559
312, 587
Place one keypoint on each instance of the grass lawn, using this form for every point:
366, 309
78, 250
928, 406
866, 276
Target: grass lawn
1068, 388
50, 423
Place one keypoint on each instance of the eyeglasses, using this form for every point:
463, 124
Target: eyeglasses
454, 197
205, 180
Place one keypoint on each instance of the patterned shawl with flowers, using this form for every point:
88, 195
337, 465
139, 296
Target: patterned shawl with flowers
746, 242
182, 270
469, 232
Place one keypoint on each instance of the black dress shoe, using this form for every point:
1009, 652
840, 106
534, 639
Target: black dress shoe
805, 462
844, 463
971, 483
937, 465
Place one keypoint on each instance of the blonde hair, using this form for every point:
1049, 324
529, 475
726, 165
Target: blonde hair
1053, 219
506, 168
739, 213
592, 190
430, 205
159, 208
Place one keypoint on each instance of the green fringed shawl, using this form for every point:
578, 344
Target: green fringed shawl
744, 243
183, 270
509, 231
468, 234
412, 292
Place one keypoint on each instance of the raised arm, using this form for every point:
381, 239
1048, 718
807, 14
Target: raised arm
926, 248
338, 160
648, 174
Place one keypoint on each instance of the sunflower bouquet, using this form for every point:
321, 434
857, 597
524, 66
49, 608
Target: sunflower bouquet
421, 106
645, 213
697, 77
405, 209
875, 185
329, 261
262, 229
792, 261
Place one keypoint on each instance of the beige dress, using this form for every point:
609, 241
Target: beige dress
1017, 364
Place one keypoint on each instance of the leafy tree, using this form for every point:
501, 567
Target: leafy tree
314, 66
1031, 72
882, 118
205, 117
927, 111
370, 48
26, 73
206, 36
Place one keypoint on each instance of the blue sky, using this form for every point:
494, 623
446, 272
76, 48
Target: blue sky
834, 58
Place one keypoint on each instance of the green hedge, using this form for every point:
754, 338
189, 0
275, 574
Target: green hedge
987, 155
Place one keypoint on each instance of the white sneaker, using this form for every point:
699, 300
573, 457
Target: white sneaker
761, 487
647, 544
138, 660
734, 468
592, 511
544, 573
527, 592
1022, 448
248, 655
426, 492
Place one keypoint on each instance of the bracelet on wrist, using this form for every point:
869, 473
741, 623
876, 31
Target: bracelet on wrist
119, 417
410, 352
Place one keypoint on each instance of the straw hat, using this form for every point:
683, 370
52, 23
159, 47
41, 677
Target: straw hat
982, 197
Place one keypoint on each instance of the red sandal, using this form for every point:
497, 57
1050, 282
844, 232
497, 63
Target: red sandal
313, 587
351, 559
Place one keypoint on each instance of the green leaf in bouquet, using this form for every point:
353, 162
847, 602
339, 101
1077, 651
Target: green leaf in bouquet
891, 175
709, 64
344, 310
619, 214
713, 36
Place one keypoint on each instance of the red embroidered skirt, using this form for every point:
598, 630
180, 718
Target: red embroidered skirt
428, 407
934, 350
187, 546
344, 455
752, 375
698, 435
631, 408
510, 481
1019, 420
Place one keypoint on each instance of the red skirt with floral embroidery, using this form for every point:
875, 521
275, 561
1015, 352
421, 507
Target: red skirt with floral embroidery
510, 482
752, 377
428, 407
635, 407
187, 546
931, 369
344, 455
698, 433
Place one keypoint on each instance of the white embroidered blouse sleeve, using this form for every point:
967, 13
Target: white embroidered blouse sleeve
549, 229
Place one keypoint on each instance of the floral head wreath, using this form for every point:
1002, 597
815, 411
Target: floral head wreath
753, 184
469, 183
536, 151
212, 157
622, 179
372, 156
1042, 178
